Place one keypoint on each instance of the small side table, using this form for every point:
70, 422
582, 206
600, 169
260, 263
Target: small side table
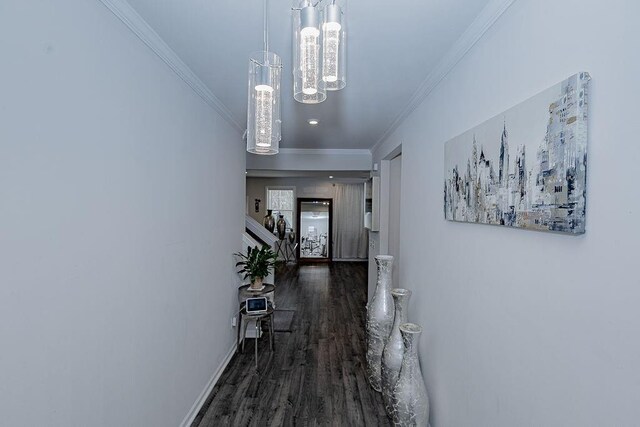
245, 292
257, 318
291, 250
287, 250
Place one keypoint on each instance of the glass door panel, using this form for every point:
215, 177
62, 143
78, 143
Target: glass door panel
315, 229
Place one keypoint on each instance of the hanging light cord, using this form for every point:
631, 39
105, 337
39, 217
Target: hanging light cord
266, 28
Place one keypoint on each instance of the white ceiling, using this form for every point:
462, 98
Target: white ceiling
392, 48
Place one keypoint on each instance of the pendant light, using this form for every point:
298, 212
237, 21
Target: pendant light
308, 85
334, 64
263, 112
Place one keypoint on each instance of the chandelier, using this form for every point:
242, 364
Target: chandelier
319, 49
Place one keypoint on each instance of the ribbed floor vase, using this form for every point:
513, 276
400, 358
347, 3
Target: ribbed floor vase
380, 313
410, 403
393, 352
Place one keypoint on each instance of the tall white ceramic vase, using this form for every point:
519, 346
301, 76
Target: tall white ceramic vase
393, 352
379, 320
410, 403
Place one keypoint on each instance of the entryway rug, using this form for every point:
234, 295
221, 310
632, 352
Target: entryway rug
282, 320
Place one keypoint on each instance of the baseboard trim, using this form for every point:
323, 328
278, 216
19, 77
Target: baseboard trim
195, 409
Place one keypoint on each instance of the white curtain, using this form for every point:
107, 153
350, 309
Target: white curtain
350, 238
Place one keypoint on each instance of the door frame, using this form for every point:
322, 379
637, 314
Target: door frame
301, 200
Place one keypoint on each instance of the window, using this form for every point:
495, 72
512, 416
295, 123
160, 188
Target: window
281, 200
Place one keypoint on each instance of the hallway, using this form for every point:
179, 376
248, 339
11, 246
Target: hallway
316, 376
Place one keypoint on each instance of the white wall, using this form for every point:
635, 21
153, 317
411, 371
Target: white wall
525, 328
300, 159
121, 200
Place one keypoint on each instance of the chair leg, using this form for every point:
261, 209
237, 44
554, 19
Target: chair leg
238, 335
271, 338
258, 325
244, 334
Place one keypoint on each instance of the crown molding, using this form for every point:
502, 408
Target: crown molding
327, 151
487, 17
127, 14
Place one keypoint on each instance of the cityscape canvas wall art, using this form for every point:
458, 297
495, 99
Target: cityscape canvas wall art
526, 167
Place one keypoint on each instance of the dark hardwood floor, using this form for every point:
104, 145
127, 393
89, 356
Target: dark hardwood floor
316, 375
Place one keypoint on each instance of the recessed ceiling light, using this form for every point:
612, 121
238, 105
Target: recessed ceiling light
313, 122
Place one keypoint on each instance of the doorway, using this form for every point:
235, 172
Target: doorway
314, 229
395, 190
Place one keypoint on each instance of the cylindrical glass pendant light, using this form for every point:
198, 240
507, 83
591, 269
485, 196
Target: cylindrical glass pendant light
334, 41
308, 86
263, 115
263, 111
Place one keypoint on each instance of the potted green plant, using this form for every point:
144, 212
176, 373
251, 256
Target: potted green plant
256, 264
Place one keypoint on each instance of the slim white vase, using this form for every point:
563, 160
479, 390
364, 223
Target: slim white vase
379, 320
410, 403
393, 352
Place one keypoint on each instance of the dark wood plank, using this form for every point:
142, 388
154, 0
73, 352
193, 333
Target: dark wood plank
316, 376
